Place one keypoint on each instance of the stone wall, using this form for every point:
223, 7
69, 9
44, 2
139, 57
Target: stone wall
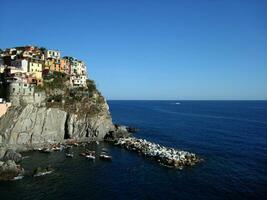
35, 98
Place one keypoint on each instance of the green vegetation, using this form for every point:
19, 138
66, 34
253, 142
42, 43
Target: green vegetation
43, 49
91, 86
55, 80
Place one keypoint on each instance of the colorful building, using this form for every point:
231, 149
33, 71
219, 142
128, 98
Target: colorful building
64, 66
52, 54
36, 68
20, 64
52, 64
35, 62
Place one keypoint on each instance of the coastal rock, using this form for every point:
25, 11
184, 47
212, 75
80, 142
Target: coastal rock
42, 171
12, 155
166, 156
132, 129
32, 125
9, 170
117, 132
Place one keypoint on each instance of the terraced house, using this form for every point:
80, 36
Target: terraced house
35, 67
32, 62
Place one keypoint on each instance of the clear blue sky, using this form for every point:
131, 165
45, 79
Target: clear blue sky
152, 49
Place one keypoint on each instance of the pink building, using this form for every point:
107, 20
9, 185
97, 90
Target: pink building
3, 108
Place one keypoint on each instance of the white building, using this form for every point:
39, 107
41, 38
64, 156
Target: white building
20, 64
78, 81
81, 68
52, 54
17, 88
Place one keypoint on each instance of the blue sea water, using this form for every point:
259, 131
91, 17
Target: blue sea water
231, 137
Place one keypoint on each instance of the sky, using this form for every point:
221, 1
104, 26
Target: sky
152, 49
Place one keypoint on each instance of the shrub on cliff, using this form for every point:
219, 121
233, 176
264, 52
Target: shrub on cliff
91, 85
55, 80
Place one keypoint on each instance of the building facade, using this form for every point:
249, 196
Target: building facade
52, 54
20, 64
52, 64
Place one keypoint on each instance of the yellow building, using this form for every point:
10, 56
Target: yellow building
36, 68
52, 64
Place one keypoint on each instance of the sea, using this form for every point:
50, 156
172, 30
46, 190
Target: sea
230, 137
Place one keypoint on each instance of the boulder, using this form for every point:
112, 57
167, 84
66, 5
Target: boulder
12, 155
132, 129
118, 132
9, 170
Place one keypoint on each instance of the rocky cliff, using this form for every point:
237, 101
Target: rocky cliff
64, 113
31, 125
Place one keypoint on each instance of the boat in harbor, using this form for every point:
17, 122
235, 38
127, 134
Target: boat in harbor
105, 157
46, 150
69, 155
91, 157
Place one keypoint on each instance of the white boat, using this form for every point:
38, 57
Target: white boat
70, 155
17, 177
42, 173
177, 103
91, 157
105, 157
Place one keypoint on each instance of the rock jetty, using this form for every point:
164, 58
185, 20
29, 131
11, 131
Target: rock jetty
169, 157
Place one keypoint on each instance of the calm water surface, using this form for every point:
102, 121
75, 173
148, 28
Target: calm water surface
230, 135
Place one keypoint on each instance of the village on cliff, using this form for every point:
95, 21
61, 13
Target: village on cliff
25, 68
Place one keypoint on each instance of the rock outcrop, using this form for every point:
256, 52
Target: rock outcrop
10, 154
169, 157
9, 170
33, 125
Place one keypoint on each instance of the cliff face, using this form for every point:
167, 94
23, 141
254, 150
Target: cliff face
55, 112
32, 125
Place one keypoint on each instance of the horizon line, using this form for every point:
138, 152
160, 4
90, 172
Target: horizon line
186, 100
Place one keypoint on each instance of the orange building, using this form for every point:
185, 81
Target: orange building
52, 64
65, 66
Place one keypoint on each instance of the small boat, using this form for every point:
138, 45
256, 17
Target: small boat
89, 152
18, 177
76, 144
97, 142
177, 103
42, 173
56, 148
46, 150
91, 157
105, 157
37, 149
69, 155
82, 154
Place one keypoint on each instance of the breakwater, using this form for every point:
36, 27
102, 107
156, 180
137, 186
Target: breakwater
169, 157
